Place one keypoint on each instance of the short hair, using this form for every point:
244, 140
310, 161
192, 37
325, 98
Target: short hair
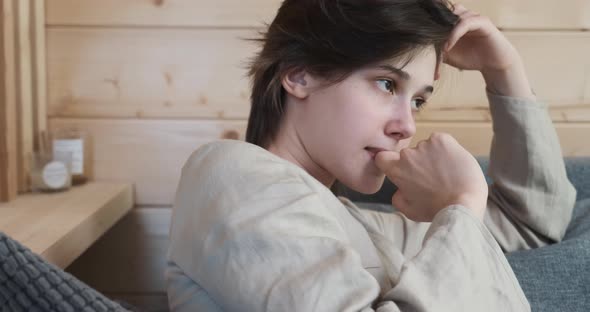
333, 38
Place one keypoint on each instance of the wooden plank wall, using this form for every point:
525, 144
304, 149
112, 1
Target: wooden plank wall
151, 80
8, 107
24, 96
23, 109
180, 65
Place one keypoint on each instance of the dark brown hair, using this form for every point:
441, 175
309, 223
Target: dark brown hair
331, 39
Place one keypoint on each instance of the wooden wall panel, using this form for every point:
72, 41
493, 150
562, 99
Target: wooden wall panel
516, 14
23, 111
151, 153
39, 74
24, 95
8, 107
172, 73
148, 73
534, 14
162, 13
148, 153
29, 80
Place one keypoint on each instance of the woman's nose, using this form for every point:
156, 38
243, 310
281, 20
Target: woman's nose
401, 125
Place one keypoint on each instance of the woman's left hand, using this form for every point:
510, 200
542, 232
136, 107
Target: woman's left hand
476, 44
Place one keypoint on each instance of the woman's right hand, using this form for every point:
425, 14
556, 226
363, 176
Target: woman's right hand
437, 173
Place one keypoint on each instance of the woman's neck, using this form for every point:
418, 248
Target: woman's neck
289, 146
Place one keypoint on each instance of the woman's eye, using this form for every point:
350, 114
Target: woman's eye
386, 85
418, 104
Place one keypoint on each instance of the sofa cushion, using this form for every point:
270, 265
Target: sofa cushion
29, 283
557, 277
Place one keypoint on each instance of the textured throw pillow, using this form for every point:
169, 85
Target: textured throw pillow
29, 283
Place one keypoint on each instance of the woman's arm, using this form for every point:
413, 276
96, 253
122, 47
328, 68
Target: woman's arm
453, 257
531, 199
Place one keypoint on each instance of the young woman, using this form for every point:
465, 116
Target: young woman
335, 89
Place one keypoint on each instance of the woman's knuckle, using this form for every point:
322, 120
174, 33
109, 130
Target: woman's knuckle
405, 153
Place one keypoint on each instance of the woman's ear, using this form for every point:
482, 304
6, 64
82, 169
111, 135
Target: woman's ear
298, 83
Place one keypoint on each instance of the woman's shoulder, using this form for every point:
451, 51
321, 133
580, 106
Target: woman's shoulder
225, 179
232, 159
223, 149
245, 170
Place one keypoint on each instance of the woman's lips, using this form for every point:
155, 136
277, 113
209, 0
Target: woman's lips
374, 150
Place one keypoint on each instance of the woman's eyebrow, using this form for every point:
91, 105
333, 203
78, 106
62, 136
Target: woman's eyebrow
403, 74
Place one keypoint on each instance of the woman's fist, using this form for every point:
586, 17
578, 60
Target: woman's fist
437, 173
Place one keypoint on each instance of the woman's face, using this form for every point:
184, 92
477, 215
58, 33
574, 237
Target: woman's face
339, 128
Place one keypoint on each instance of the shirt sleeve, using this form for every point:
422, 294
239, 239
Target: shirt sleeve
455, 257
531, 199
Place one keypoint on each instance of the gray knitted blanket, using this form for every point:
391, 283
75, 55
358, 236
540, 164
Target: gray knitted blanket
29, 283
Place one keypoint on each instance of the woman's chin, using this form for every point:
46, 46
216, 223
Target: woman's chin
368, 185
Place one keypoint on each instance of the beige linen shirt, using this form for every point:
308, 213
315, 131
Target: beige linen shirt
253, 232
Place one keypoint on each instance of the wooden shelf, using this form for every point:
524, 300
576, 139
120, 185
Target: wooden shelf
61, 226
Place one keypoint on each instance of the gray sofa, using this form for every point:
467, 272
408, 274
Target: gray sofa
554, 278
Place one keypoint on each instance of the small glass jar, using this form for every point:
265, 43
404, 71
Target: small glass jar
51, 172
77, 142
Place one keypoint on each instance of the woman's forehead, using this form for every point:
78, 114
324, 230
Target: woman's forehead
420, 68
